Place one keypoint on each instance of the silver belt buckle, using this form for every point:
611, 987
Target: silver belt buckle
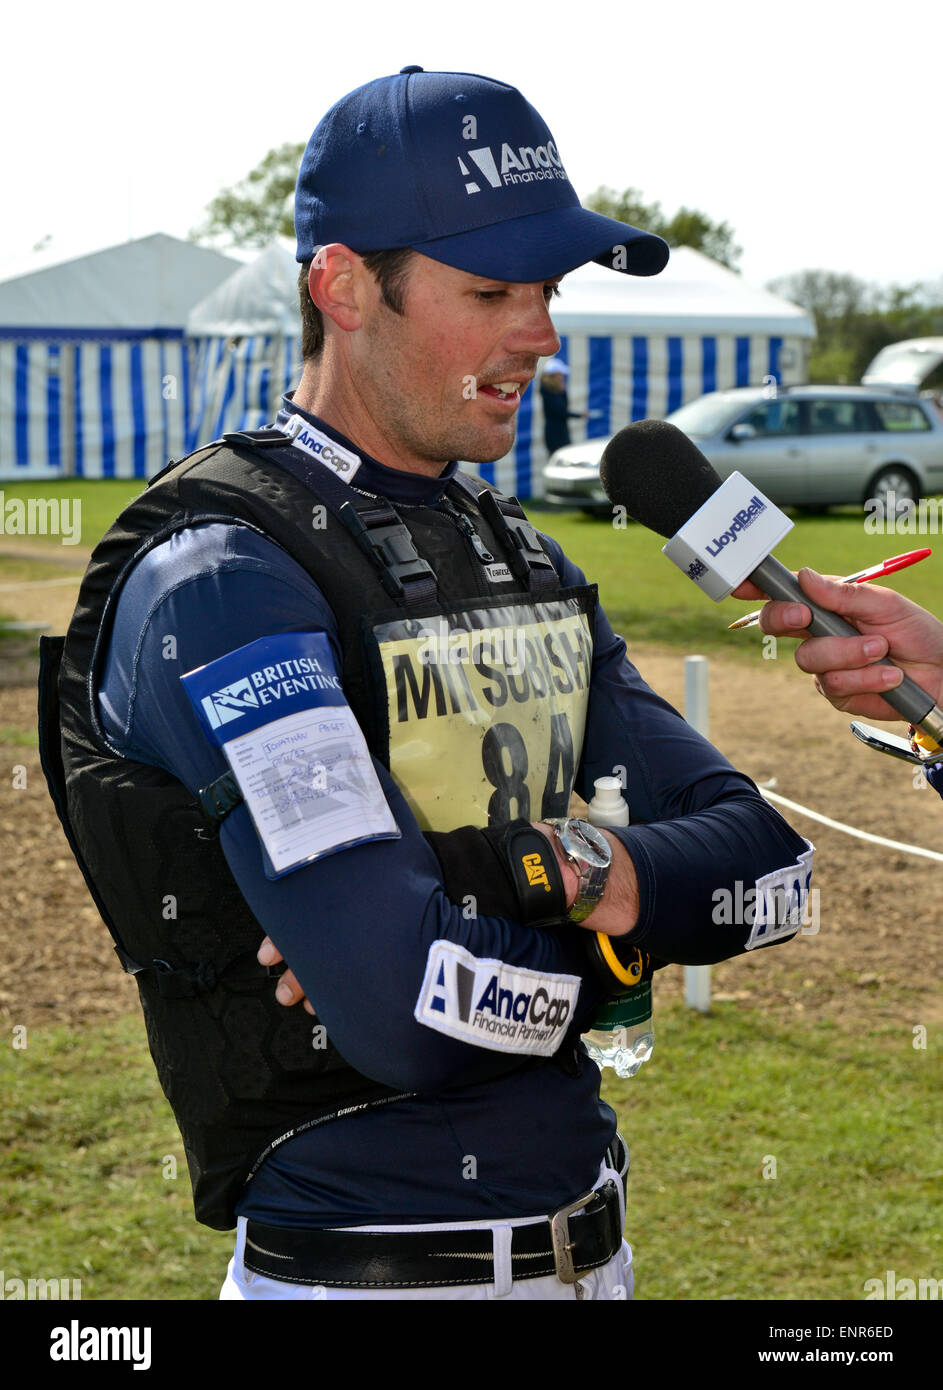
560, 1237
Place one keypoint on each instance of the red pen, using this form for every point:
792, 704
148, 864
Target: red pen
896, 562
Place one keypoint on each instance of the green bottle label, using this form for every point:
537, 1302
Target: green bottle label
626, 1010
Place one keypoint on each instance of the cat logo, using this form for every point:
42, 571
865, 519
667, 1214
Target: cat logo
535, 871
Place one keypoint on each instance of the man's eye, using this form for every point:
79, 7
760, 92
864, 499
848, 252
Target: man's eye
488, 295
551, 291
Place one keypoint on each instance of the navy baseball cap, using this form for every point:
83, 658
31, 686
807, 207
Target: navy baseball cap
462, 169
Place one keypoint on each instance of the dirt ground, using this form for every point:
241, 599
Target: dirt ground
876, 955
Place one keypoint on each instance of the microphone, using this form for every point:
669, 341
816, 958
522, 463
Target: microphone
722, 533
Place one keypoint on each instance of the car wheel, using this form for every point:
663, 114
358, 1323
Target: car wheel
896, 489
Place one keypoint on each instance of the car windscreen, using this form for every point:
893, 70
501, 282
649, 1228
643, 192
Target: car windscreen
706, 416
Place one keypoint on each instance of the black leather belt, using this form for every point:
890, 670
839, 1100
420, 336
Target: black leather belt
578, 1237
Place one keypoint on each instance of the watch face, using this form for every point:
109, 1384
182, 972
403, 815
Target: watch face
590, 844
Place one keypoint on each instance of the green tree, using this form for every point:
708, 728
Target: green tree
835, 300
628, 206
854, 319
688, 226
260, 207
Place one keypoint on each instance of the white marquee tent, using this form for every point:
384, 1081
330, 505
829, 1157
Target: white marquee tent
94, 367
245, 340
636, 348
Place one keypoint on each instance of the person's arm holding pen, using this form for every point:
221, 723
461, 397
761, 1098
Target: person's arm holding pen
844, 668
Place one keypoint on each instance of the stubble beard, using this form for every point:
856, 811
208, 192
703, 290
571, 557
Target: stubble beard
435, 436
411, 430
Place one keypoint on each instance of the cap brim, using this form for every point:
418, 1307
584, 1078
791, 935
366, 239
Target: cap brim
546, 244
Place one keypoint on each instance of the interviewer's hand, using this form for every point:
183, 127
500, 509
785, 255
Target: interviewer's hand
844, 668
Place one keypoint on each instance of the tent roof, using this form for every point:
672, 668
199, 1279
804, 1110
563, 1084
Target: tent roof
149, 283
261, 297
693, 294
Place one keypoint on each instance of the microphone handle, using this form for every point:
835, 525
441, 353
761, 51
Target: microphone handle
910, 701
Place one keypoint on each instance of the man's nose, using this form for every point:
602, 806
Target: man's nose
534, 332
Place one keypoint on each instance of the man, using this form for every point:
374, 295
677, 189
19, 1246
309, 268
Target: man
321, 685
556, 405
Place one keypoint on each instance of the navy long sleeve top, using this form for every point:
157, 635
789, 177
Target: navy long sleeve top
483, 1137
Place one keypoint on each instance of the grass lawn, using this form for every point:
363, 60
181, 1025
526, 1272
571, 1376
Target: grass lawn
646, 597
778, 1162
100, 499
93, 1184
87, 1189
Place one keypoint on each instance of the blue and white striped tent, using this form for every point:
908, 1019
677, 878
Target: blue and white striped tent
94, 365
245, 346
636, 348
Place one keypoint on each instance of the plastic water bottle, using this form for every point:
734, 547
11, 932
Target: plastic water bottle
622, 1035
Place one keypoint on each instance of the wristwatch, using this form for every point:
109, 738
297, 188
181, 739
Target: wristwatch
589, 853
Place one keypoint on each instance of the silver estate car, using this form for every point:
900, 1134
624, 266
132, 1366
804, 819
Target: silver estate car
803, 446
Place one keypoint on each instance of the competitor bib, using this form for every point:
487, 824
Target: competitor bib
487, 708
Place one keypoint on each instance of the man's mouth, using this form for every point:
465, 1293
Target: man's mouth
502, 391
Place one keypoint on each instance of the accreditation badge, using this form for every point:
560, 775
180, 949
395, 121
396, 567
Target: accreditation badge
487, 707
276, 709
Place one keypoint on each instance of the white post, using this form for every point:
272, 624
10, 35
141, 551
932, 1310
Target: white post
697, 978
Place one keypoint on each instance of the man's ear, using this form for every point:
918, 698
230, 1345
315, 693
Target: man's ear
334, 282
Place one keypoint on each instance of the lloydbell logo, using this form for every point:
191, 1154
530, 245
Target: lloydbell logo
743, 519
524, 165
230, 703
493, 1004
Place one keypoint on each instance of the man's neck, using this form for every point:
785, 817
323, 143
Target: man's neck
319, 394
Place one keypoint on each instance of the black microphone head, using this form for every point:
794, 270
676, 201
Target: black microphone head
655, 471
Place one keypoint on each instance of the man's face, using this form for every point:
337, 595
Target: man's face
430, 379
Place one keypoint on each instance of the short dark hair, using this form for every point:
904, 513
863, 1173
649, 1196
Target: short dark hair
388, 268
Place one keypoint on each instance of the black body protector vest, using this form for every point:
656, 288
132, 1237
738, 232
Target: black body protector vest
470, 688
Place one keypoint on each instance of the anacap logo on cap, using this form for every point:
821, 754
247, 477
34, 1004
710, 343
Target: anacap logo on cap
461, 168
529, 162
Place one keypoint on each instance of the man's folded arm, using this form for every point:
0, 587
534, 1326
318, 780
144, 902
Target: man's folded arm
360, 928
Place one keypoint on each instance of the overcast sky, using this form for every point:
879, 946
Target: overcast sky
810, 127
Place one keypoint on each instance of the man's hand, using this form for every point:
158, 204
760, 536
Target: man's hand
617, 910
844, 667
288, 991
